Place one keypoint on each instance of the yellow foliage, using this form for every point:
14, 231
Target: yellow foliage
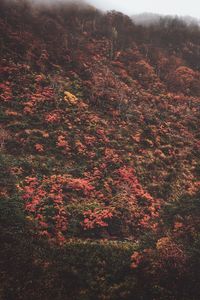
163, 243
29, 218
70, 98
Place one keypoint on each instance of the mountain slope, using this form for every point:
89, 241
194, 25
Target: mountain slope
100, 142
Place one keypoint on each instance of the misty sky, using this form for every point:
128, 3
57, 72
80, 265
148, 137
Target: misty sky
172, 7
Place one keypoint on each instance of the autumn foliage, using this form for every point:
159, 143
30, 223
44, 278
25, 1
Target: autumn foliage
99, 155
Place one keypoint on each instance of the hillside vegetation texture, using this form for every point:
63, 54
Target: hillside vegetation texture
99, 155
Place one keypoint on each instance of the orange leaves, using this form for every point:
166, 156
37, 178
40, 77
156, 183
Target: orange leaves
37, 132
44, 197
178, 225
136, 259
80, 184
170, 250
102, 134
166, 254
136, 137
45, 202
40, 78
80, 147
145, 207
6, 91
122, 123
159, 153
185, 80
53, 117
145, 73
37, 98
89, 140
11, 113
96, 218
112, 156
164, 244
193, 188
127, 174
39, 147
63, 143
29, 108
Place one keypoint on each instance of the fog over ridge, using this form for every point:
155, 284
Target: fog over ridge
155, 7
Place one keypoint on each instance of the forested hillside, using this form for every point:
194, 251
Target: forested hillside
99, 155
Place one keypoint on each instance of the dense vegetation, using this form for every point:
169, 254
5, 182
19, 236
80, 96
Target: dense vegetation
99, 155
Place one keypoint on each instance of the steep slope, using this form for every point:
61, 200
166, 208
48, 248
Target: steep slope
100, 138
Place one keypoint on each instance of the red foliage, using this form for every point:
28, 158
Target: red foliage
96, 218
6, 91
45, 202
